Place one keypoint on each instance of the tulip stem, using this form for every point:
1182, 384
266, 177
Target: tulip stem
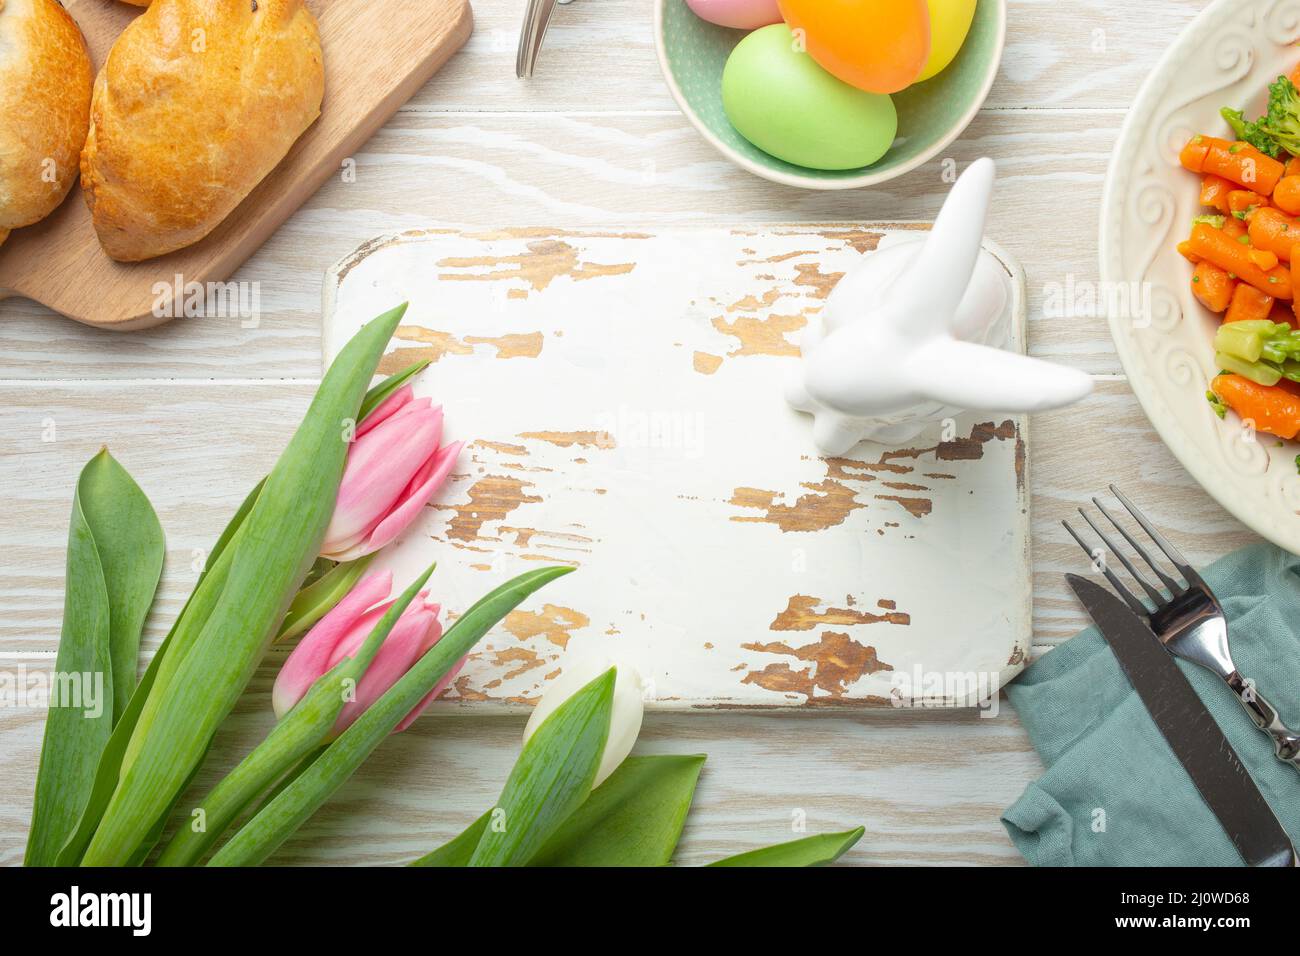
302, 730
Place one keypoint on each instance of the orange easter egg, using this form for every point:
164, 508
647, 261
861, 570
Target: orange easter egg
876, 45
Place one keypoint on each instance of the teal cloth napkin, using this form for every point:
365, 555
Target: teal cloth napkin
1114, 794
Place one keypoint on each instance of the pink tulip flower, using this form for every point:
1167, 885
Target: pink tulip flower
340, 634
394, 468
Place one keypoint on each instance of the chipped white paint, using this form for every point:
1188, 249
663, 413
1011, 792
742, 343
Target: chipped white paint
620, 398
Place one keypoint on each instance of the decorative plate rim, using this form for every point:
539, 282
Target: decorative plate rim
1143, 119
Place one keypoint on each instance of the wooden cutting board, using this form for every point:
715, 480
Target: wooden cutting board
377, 54
620, 396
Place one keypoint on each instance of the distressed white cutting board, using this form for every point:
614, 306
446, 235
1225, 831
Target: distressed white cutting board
620, 396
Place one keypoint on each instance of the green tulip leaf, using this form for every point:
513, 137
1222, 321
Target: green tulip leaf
635, 818
110, 762
114, 561
821, 850
375, 397
552, 777
131, 547
460, 849
201, 678
73, 738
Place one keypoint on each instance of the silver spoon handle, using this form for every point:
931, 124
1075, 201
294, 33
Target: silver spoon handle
537, 17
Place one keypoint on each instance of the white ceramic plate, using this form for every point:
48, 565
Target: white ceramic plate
1227, 56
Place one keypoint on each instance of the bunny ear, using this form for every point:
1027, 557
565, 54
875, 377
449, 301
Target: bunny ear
985, 379
933, 285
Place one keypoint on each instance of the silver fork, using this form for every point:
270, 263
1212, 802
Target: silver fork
1189, 622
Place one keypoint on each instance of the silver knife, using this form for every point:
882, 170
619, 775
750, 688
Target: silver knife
1192, 734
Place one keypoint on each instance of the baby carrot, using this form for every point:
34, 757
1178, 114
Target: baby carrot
1292, 167
1193, 155
1185, 250
1212, 286
1233, 256
1245, 201
1273, 410
1264, 259
1233, 227
1295, 304
1286, 194
1214, 193
1275, 231
1248, 303
1198, 147
1244, 165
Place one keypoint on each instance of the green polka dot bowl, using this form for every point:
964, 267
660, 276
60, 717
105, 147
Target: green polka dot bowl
693, 52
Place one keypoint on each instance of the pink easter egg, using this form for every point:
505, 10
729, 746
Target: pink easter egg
737, 14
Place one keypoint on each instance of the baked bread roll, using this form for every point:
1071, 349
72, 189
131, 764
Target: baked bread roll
45, 80
197, 102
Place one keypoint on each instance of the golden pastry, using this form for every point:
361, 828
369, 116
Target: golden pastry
198, 101
45, 81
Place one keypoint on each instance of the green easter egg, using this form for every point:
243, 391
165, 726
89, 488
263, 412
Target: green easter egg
780, 100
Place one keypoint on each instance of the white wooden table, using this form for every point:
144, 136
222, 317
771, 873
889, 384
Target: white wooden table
197, 409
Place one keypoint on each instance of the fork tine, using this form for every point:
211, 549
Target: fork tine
1172, 553
1156, 597
1173, 586
1138, 607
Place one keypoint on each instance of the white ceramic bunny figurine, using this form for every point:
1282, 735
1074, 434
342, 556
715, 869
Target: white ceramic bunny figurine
913, 336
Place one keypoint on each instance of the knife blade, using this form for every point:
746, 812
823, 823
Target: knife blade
1192, 734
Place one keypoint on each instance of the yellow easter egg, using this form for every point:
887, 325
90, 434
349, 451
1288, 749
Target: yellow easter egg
950, 21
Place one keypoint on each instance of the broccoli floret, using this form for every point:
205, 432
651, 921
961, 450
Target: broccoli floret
1276, 130
1253, 132
1282, 123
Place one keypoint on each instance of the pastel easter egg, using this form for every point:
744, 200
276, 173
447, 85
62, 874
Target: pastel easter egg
876, 45
737, 14
950, 21
780, 100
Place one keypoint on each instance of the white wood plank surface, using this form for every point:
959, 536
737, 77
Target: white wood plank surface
566, 170
197, 411
927, 787
599, 55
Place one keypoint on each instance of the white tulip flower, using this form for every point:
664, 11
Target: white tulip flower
625, 717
